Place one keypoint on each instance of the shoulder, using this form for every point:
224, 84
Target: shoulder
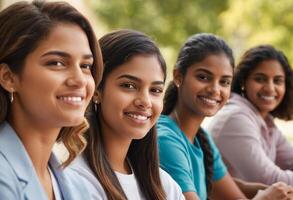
80, 168
233, 122
171, 188
9, 183
168, 131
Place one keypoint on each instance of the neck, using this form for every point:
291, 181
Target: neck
37, 141
116, 151
188, 122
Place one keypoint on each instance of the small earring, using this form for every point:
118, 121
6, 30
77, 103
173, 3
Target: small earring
96, 102
177, 84
11, 96
242, 91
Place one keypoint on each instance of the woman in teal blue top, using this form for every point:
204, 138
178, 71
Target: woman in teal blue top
201, 86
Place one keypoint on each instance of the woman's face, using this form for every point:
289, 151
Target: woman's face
56, 84
265, 86
205, 88
132, 98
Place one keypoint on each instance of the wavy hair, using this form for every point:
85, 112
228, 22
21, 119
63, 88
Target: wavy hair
250, 61
23, 26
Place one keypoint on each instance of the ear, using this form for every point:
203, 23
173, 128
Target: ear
7, 78
177, 77
97, 97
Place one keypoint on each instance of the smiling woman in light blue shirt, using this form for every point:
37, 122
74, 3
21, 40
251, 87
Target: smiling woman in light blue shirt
50, 64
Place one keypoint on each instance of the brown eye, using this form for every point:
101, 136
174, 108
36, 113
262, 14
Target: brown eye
260, 79
279, 81
86, 66
157, 90
203, 77
55, 63
128, 85
225, 82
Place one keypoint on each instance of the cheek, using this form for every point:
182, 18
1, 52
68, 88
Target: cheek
91, 87
226, 94
157, 107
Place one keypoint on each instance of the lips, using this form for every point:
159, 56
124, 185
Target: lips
267, 97
209, 101
138, 116
71, 99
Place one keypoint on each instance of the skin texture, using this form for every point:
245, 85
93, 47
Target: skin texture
203, 90
131, 102
265, 86
211, 79
59, 67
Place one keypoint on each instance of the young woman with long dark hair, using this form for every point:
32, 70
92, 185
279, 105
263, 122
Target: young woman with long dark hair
200, 87
121, 159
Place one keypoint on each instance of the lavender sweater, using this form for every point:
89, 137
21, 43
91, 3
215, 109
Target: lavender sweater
253, 148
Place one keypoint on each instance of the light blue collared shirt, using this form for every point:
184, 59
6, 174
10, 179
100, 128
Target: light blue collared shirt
18, 179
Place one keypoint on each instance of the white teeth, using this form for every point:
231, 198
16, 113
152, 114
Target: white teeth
71, 99
209, 101
267, 98
139, 117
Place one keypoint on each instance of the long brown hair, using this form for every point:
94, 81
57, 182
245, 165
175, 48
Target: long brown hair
117, 48
23, 26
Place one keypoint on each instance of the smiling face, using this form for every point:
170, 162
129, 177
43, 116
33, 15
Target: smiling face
265, 86
132, 98
55, 85
205, 88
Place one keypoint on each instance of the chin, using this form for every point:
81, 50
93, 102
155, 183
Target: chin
75, 122
139, 136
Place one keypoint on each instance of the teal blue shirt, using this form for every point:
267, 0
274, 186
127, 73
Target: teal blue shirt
183, 160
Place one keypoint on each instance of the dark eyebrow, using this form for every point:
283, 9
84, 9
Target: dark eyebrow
65, 55
210, 73
262, 74
133, 78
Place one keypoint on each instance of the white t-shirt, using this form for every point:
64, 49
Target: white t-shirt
127, 181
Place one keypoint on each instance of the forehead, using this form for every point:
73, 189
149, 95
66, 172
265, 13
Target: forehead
145, 67
215, 64
269, 68
65, 37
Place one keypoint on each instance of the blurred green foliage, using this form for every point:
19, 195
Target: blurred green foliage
170, 22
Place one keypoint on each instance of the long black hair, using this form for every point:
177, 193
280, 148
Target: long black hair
119, 47
250, 61
195, 50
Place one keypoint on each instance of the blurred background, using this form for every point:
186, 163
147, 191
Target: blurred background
243, 24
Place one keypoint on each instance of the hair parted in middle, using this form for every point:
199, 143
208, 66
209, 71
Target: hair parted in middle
250, 60
119, 47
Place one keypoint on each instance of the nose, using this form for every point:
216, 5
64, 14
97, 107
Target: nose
214, 89
76, 77
143, 100
269, 86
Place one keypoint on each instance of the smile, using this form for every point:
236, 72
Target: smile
74, 100
209, 101
138, 117
267, 98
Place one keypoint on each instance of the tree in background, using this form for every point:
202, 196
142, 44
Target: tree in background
169, 22
242, 23
251, 22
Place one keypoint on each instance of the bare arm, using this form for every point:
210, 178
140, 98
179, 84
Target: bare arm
250, 189
226, 189
190, 196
